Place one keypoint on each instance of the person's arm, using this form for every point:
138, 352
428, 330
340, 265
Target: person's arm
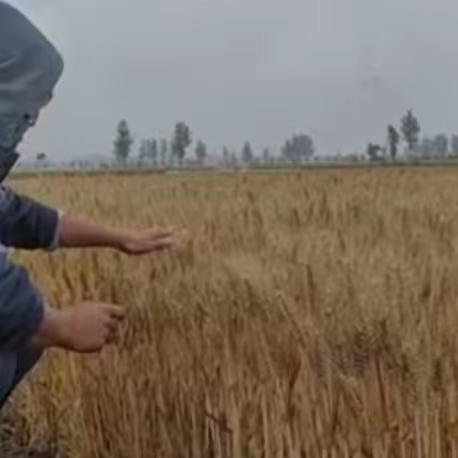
25, 319
21, 306
85, 328
25, 223
30, 225
74, 232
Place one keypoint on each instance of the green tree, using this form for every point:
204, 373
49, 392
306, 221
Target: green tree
454, 145
247, 153
164, 152
149, 150
373, 152
201, 152
181, 141
153, 151
266, 156
299, 148
123, 142
426, 147
226, 156
393, 141
143, 149
42, 159
440, 143
410, 128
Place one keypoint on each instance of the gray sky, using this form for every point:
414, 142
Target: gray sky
239, 70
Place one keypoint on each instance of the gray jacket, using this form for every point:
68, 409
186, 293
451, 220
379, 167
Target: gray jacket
29, 70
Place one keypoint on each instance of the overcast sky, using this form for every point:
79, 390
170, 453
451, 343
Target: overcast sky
239, 70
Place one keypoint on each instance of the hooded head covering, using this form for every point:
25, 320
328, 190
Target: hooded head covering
30, 67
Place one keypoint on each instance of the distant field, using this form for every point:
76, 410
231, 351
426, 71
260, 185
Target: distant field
34, 172
312, 314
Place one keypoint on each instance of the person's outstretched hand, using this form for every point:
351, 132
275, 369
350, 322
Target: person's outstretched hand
85, 328
73, 232
146, 242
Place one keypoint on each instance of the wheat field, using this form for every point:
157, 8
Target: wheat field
309, 314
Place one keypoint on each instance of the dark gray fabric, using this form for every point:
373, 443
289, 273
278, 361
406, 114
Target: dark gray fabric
8, 362
25, 223
21, 306
30, 67
14, 367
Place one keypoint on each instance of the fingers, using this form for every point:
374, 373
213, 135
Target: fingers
115, 312
112, 327
162, 234
115, 315
167, 233
112, 338
112, 334
155, 245
177, 238
155, 241
163, 244
158, 234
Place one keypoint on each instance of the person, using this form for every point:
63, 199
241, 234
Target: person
30, 67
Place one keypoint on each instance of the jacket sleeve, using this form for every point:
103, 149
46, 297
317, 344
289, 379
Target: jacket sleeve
25, 223
21, 307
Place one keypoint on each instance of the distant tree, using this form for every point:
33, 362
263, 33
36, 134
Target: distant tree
426, 147
287, 151
143, 149
201, 152
226, 156
164, 152
373, 152
41, 160
149, 150
352, 157
440, 143
153, 151
410, 128
181, 141
454, 145
247, 153
123, 142
393, 141
266, 156
299, 148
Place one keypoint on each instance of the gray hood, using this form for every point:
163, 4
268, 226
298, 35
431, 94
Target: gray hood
30, 67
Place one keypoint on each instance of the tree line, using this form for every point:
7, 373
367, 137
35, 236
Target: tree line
175, 151
416, 146
405, 139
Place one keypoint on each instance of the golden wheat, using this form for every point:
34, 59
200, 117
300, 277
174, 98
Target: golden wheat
311, 314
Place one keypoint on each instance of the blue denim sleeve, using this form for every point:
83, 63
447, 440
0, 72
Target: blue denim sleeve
25, 223
21, 306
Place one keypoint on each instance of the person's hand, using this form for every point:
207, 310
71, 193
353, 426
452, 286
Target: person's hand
147, 242
86, 328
